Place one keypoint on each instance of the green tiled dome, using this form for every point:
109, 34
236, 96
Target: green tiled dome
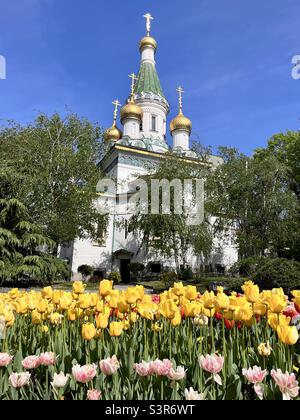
148, 80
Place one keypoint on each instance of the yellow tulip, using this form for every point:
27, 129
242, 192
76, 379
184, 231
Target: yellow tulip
56, 318
132, 294
176, 321
56, 296
260, 308
21, 306
251, 291
288, 335
276, 303
244, 314
88, 331
168, 308
42, 306
221, 302
44, 329
36, 318
78, 287
191, 292
208, 300
156, 327
178, 289
105, 287
47, 293
65, 301
123, 307
116, 329
101, 321
113, 298
264, 349
84, 301
274, 320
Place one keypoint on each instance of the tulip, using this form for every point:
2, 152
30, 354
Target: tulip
288, 335
93, 395
287, 383
212, 364
255, 376
176, 321
251, 291
115, 329
18, 380
113, 298
168, 309
5, 359
264, 349
36, 317
191, 394
105, 287
200, 320
274, 320
56, 318
191, 292
208, 300
78, 287
178, 374
85, 373
132, 294
60, 380
161, 367
31, 362
88, 331
221, 302
143, 369
276, 303
101, 321
109, 366
47, 293
47, 359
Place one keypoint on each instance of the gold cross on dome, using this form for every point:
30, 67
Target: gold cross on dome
180, 92
148, 18
116, 103
133, 78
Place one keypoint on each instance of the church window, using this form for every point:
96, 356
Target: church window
153, 123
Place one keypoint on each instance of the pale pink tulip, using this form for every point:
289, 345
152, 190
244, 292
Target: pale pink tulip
93, 395
287, 383
161, 367
109, 366
85, 373
5, 359
18, 380
178, 374
191, 394
60, 380
212, 364
255, 376
143, 369
47, 359
31, 362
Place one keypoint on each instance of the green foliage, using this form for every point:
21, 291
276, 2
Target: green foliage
278, 272
136, 268
186, 273
53, 165
168, 278
171, 235
247, 267
85, 270
251, 197
115, 277
23, 248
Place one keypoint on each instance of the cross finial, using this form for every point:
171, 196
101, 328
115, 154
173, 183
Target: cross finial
148, 18
116, 103
180, 92
133, 78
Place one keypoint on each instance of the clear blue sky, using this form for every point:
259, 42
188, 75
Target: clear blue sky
233, 57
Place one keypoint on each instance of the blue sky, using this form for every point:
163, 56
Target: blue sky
233, 57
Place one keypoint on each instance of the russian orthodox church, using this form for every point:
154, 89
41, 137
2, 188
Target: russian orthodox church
135, 150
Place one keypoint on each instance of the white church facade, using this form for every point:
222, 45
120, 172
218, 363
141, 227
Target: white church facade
135, 151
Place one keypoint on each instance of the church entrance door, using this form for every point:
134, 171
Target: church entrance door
124, 270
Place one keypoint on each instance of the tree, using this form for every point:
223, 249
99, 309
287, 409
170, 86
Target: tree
23, 247
252, 195
55, 161
171, 235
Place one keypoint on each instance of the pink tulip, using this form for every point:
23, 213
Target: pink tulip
31, 362
47, 359
212, 364
287, 383
109, 366
161, 367
255, 376
178, 374
85, 373
93, 395
18, 380
143, 369
5, 359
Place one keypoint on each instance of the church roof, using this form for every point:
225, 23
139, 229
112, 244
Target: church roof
148, 81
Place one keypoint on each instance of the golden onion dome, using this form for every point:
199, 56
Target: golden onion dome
181, 123
148, 41
112, 133
131, 110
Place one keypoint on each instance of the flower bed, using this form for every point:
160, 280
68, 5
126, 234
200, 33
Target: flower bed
124, 345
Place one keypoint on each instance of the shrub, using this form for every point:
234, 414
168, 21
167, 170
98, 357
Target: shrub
186, 273
136, 267
169, 278
85, 270
278, 272
248, 266
115, 277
